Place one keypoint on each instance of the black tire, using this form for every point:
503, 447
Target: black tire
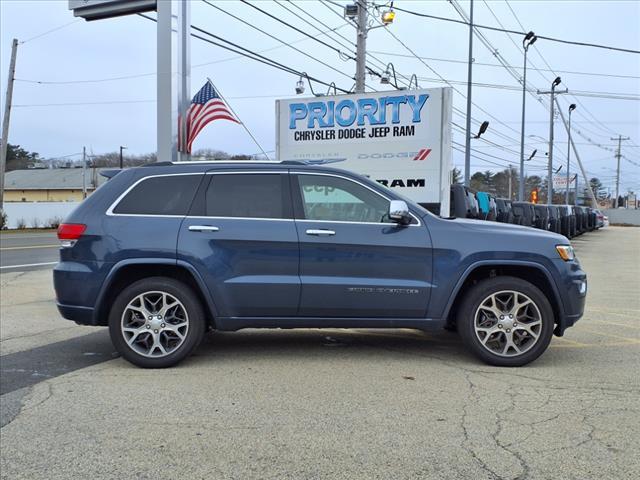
478, 293
178, 290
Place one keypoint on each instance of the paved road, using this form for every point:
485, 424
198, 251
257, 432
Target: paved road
311, 404
28, 251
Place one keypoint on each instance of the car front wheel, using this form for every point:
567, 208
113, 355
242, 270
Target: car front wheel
156, 322
506, 321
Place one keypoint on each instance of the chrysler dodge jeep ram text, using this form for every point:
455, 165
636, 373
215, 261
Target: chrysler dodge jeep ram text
163, 252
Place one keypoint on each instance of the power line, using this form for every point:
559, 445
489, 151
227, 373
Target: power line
497, 65
515, 32
279, 40
50, 31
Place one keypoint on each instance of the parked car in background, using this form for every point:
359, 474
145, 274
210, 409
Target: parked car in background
554, 218
542, 217
524, 213
463, 202
162, 253
503, 210
486, 206
599, 219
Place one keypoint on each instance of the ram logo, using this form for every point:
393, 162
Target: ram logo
422, 154
399, 182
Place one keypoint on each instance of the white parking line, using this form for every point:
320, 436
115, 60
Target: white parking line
27, 247
28, 265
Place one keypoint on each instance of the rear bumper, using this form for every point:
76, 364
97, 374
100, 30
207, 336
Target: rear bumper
80, 315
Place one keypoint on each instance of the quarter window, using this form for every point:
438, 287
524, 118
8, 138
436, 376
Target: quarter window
340, 200
166, 195
247, 195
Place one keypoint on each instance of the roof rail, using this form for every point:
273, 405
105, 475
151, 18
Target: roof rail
317, 161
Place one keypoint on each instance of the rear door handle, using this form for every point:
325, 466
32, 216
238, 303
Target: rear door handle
319, 232
203, 228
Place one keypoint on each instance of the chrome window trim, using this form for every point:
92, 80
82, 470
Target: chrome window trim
115, 203
294, 172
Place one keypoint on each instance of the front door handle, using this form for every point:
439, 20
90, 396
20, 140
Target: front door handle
320, 232
203, 228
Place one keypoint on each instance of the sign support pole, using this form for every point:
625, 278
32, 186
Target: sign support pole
166, 126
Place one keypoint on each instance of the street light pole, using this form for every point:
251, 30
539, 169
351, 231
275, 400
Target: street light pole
553, 92
528, 40
572, 107
618, 155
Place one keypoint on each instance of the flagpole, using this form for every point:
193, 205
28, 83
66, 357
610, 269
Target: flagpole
241, 122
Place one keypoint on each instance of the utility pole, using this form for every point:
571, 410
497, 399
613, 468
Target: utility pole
553, 93
618, 155
510, 179
467, 151
5, 119
361, 46
84, 172
529, 39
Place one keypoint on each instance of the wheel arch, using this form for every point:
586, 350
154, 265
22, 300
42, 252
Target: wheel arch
534, 273
126, 272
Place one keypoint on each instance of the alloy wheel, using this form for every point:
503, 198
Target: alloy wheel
508, 323
154, 324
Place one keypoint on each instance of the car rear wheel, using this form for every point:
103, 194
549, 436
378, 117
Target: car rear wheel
506, 321
156, 322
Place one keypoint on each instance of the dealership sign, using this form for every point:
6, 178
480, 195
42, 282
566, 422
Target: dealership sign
560, 182
99, 9
400, 138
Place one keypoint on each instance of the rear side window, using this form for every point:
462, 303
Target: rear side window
248, 195
166, 195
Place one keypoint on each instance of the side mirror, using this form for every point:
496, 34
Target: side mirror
399, 212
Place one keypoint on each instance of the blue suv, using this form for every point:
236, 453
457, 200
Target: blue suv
161, 253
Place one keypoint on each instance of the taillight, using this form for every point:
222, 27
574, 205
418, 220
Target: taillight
69, 233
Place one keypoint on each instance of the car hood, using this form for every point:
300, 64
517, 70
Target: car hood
503, 229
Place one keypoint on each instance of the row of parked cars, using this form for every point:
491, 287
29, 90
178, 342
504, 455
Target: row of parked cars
568, 220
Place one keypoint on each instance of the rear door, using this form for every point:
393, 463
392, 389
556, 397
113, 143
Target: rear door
241, 237
354, 262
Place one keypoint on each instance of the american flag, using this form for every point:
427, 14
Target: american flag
205, 107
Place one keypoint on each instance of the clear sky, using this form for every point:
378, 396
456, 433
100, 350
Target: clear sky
125, 47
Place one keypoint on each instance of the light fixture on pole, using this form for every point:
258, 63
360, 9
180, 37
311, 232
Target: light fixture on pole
300, 86
388, 15
385, 78
572, 107
529, 39
482, 129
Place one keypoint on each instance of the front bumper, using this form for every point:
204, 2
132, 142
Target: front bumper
573, 291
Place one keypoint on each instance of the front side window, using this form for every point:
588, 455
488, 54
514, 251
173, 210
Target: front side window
247, 195
340, 200
166, 195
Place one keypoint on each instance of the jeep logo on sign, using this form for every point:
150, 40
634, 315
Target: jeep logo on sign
399, 182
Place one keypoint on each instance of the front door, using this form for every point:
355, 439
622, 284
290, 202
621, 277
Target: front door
355, 262
241, 237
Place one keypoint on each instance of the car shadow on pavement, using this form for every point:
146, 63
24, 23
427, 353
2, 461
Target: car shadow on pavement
26, 368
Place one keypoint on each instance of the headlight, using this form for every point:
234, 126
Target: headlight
565, 252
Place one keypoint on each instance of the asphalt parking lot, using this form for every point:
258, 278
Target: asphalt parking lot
311, 404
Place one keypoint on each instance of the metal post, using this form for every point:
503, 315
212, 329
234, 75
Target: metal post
618, 155
361, 46
467, 152
166, 124
524, 103
575, 200
550, 164
84, 172
184, 74
568, 157
5, 119
510, 177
